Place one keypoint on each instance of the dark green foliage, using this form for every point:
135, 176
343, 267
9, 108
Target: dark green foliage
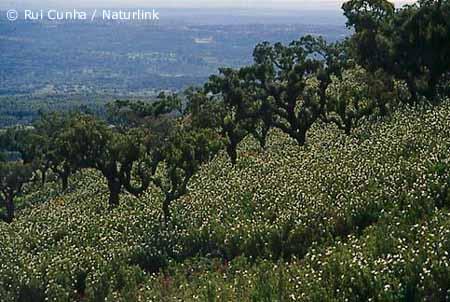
23, 140
262, 115
51, 155
38, 144
409, 43
13, 176
175, 145
128, 113
89, 143
236, 103
357, 95
182, 157
370, 19
289, 76
422, 51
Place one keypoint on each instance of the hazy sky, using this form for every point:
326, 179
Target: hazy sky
299, 4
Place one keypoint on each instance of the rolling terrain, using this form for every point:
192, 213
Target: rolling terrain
363, 217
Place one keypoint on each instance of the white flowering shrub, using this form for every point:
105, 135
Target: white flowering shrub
364, 217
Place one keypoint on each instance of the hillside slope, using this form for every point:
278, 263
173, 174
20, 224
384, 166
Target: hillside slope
345, 218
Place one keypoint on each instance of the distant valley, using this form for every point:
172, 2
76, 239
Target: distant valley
54, 65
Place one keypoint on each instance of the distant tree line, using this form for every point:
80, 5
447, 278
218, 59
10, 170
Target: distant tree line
394, 56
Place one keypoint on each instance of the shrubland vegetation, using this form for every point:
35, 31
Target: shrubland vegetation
337, 186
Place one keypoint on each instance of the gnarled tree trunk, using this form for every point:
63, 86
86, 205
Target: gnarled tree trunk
232, 152
114, 186
300, 136
10, 208
166, 209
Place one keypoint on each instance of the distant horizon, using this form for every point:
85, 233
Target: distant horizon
192, 4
